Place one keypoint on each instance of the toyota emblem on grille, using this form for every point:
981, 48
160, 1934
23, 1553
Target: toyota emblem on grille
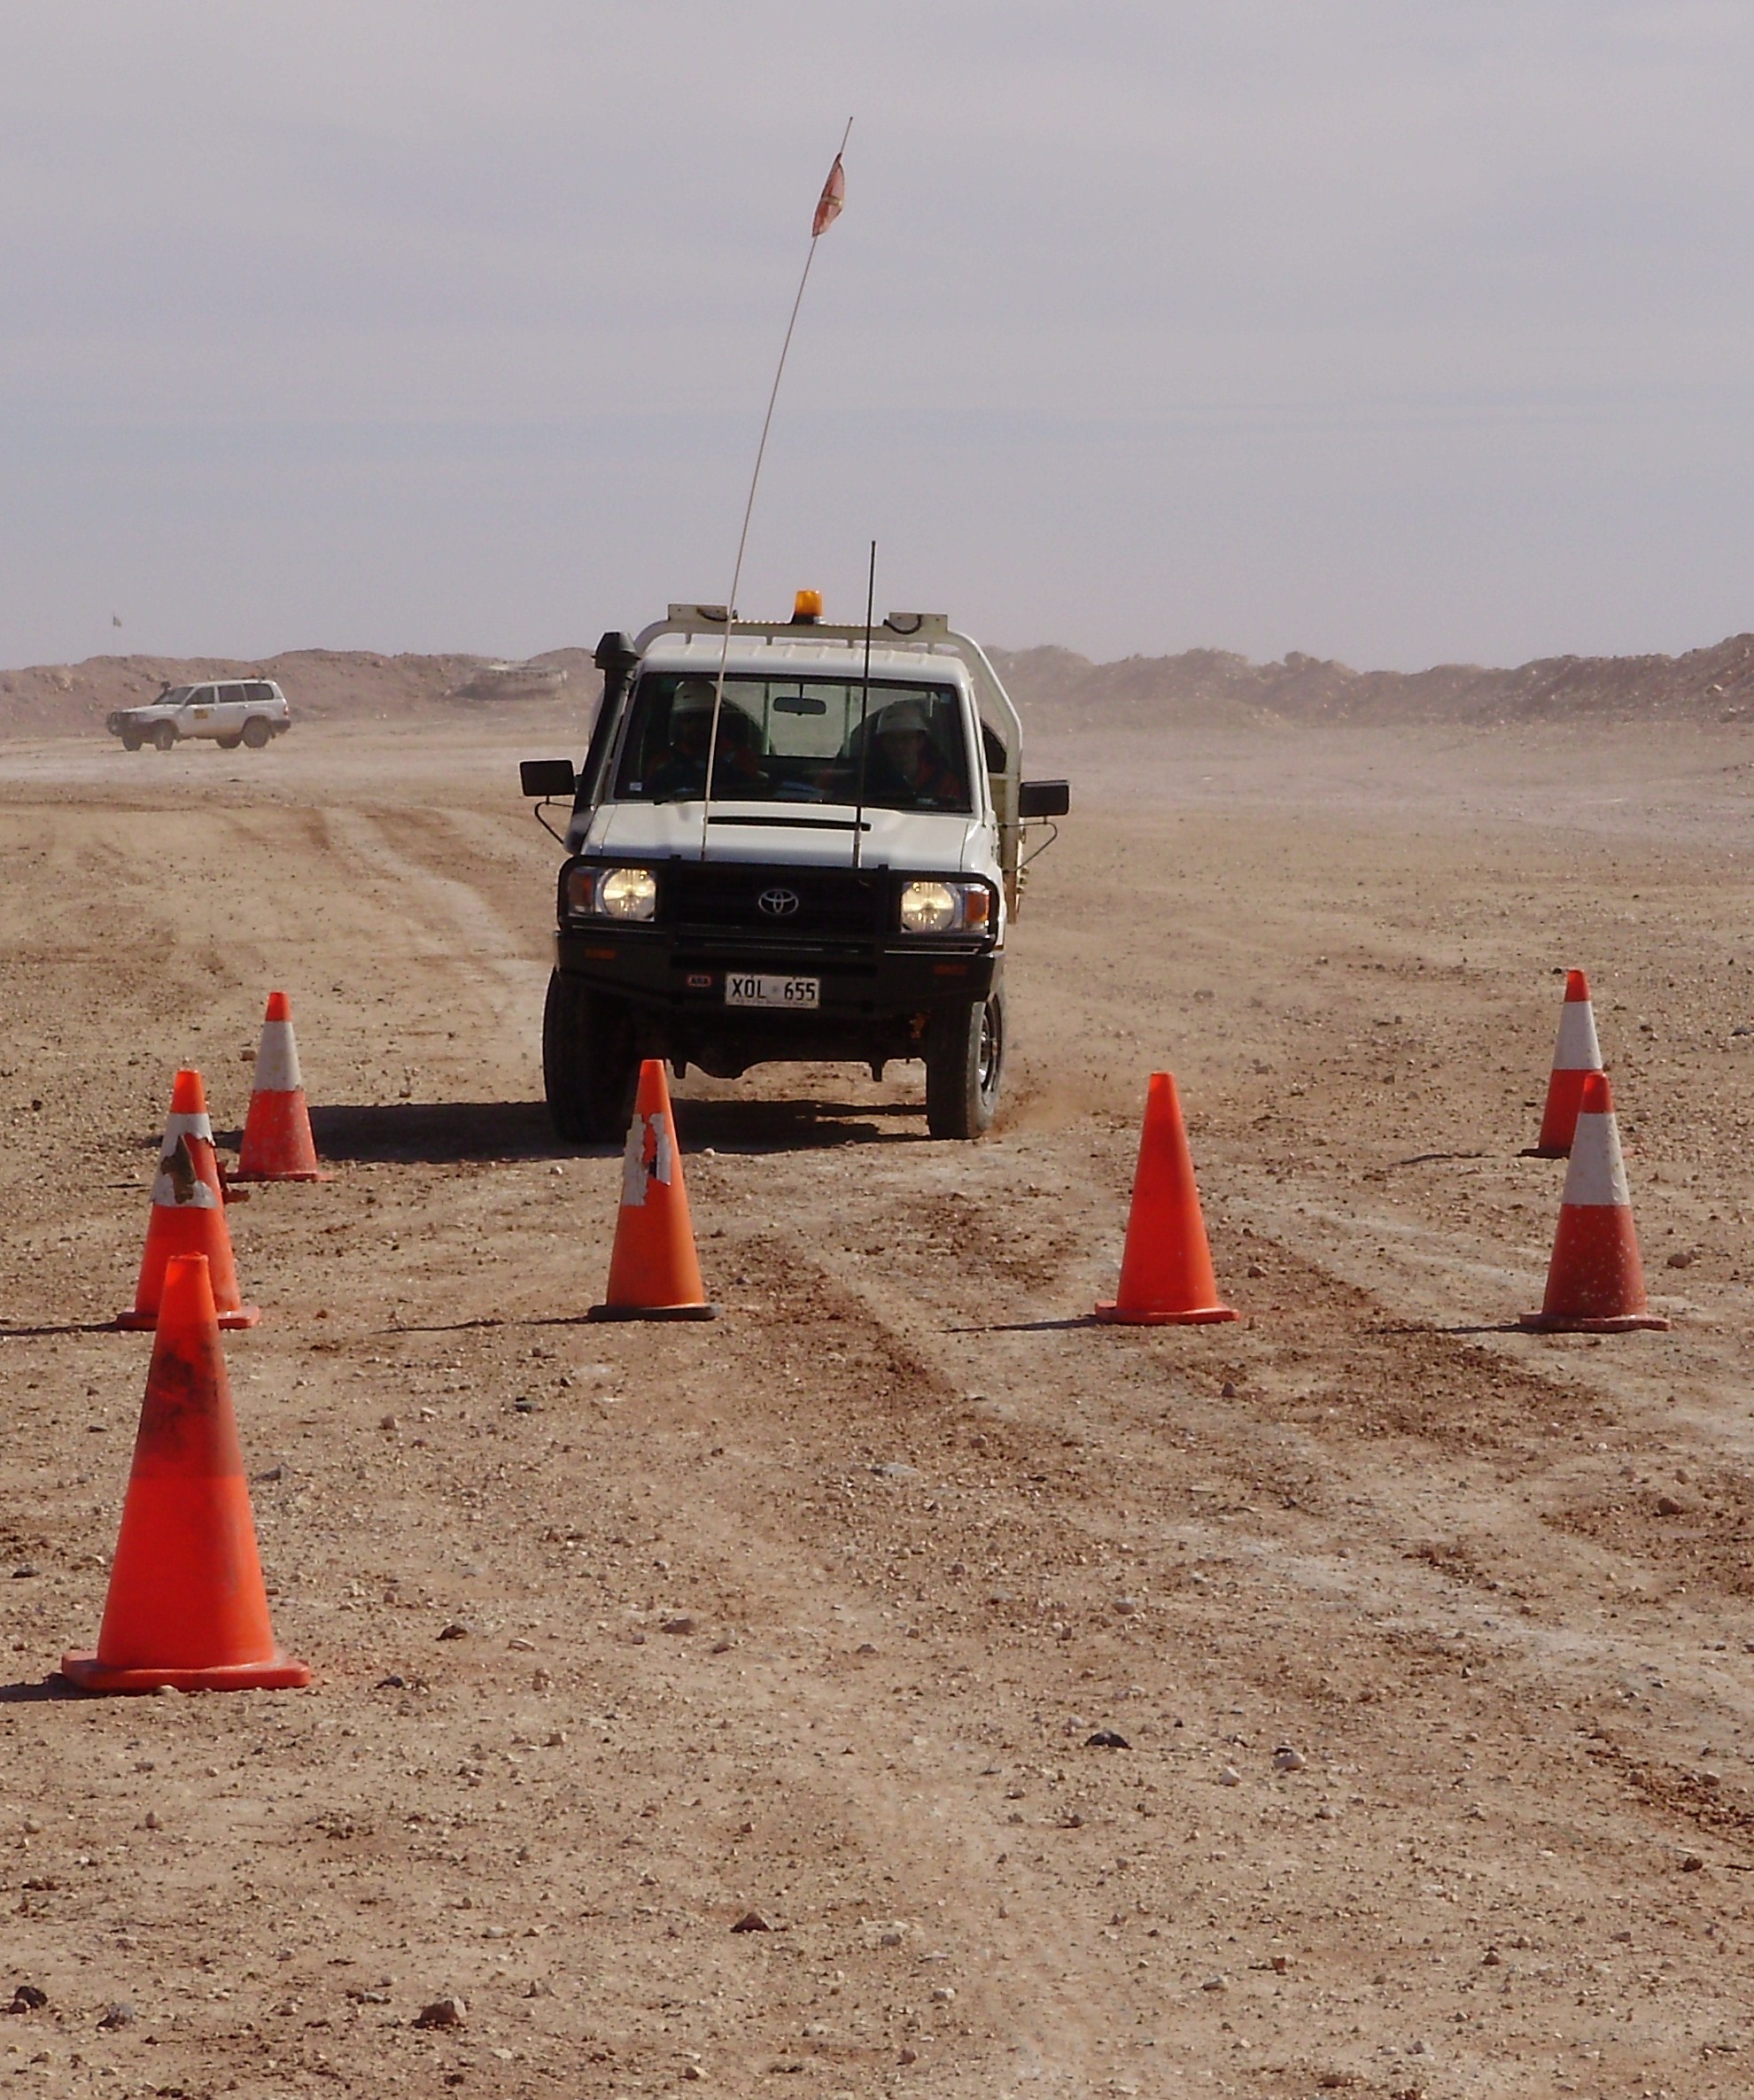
778, 903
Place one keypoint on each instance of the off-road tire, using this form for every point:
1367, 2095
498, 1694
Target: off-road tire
590, 1062
229, 743
164, 736
130, 740
257, 732
965, 1067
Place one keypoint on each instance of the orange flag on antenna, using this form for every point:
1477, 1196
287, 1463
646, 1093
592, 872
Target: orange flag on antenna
828, 204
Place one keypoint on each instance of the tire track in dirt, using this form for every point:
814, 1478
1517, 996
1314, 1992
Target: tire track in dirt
452, 925
1393, 1650
1448, 1395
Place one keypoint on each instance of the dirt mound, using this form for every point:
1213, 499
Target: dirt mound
1206, 689
321, 684
1211, 689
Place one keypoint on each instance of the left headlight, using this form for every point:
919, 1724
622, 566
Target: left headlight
945, 907
612, 893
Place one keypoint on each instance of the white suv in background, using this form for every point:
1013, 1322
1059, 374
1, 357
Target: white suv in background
228, 712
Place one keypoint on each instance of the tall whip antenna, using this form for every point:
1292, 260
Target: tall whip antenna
827, 210
865, 712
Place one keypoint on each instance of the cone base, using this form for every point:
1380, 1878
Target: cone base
277, 1673
654, 1312
318, 1176
1115, 1314
1527, 1153
135, 1321
1623, 1323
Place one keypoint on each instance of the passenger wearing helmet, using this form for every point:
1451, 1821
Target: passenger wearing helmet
906, 769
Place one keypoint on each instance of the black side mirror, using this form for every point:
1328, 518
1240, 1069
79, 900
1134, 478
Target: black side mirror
1043, 798
548, 779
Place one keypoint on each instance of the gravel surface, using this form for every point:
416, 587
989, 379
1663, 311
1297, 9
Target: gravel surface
903, 1684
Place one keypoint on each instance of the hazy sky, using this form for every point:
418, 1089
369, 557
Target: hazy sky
1399, 330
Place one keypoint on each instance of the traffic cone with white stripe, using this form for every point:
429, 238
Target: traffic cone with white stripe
1576, 1054
278, 1142
1595, 1281
654, 1273
188, 1215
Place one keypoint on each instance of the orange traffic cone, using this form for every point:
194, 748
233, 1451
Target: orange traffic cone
1165, 1271
278, 1142
653, 1272
1595, 1281
188, 1215
1576, 1053
186, 1604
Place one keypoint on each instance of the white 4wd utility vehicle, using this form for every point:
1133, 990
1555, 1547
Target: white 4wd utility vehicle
833, 879
229, 712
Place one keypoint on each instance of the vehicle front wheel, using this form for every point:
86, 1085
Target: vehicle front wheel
256, 733
964, 1064
590, 1062
164, 736
130, 740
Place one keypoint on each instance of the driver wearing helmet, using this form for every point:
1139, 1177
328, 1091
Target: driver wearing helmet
908, 771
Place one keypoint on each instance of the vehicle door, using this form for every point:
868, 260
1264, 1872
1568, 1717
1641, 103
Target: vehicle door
229, 708
195, 717
265, 699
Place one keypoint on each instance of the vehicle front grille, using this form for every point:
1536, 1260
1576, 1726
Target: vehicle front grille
727, 896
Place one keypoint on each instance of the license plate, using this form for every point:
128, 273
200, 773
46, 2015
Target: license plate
773, 991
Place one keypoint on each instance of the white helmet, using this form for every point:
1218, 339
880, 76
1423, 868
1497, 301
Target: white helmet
902, 717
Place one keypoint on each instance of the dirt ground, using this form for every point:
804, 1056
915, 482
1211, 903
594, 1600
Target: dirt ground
815, 1609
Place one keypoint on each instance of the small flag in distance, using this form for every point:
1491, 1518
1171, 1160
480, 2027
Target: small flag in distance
115, 619
828, 204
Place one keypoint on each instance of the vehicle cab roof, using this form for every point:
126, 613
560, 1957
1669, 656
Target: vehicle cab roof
805, 655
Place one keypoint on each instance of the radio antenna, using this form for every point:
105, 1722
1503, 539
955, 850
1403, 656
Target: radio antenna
828, 208
864, 711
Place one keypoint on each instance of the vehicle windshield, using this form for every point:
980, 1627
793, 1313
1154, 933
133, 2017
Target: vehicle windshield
791, 740
173, 696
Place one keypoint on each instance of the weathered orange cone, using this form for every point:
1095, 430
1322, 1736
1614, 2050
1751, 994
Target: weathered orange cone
1166, 1270
1595, 1280
186, 1604
278, 1142
188, 1215
653, 1272
1575, 1055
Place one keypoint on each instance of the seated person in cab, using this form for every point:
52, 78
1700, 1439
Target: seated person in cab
679, 775
906, 770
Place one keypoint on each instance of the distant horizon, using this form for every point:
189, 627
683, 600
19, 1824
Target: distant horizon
261, 656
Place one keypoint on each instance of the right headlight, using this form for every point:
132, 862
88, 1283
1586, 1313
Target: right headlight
937, 907
612, 893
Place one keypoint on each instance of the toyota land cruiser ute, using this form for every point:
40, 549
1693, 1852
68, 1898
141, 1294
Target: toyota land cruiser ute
228, 712
831, 877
